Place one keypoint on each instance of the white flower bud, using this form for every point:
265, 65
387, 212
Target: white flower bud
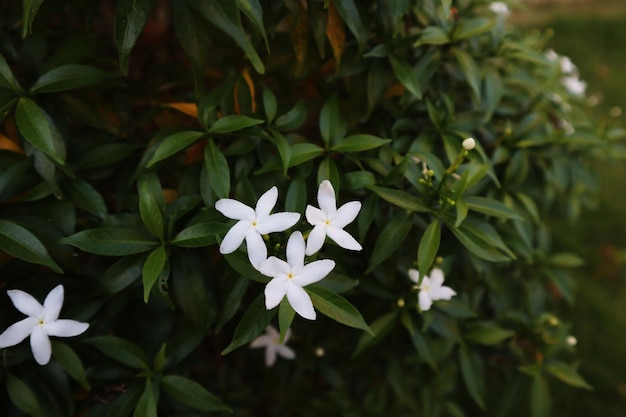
469, 144
571, 340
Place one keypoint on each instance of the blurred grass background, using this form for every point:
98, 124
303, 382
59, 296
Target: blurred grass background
593, 34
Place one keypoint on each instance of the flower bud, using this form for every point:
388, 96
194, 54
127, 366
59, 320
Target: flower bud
469, 144
571, 340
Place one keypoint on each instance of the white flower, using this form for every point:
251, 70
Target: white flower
571, 340
551, 55
289, 277
567, 66
500, 8
330, 221
253, 224
271, 342
432, 288
42, 321
574, 85
469, 144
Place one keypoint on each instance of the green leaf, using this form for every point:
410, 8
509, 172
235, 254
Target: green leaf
350, 14
191, 394
189, 290
29, 10
240, 263
269, 104
539, 397
390, 238
70, 362
471, 71
7, 79
429, 246
296, 195
472, 376
293, 119
493, 88
380, 327
147, 405
232, 123
120, 350
111, 241
283, 147
199, 235
490, 206
87, 197
476, 245
418, 339
359, 143
357, 180
303, 152
406, 75
224, 14
22, 396
68, 77
20, 243
130, 18
173, 144
466, 28
567, 374
104, 155
401, 199
253, 322
337, 308
216, 166
433, 35
328, 170
566, 260
122, 274
254, 11
487, 333
33, 124
330, 121
149, 195
152, 269
286, 314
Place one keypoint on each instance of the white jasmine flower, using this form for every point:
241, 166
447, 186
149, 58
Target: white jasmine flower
551, 55
271, 342
567, 66
253, 224
500, 8
289, 277
574, 85
432, 288
469, 144
330, 221
42, 321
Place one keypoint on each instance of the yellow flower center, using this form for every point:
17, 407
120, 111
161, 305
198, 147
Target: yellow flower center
290, 275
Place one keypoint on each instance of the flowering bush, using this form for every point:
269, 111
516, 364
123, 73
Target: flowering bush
436, 142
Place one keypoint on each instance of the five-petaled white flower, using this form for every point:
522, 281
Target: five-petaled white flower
253, 224
289, 277
271, 342
330, 221
432, 288
42, 321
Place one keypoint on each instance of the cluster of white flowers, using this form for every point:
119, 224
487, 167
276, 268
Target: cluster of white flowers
431, 289
571, 78
500, 8
42, 321
289, 278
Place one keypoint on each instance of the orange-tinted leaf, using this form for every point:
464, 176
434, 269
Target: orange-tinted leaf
300, 38
9, 145
394, 90
336, 34
190, 109
195, 152
248, 78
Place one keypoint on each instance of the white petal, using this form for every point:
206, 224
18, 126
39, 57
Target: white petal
273, 267
314, 215
266, 203
270, 355
277, 222
40, 345
295, 252
300, 301
285, 351
261, 341
25, 303
316, 239
272, 332
414, 275
66, 328
424, 300
257, 251
441, 293
425, 282
234, 209
343, 238
17, 332
313, 272
235, 236
346, 214
326, 199
436, 278
275, 291
52, 304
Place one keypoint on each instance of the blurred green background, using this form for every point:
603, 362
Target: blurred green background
593, 34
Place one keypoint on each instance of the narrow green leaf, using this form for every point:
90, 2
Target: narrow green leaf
149, 195
269, 104
7, 79
296, 195
191, 394
539, 397
254, 11
487, 333
130, 18
68, 77
493, 90
566, 260
232, 123
418, 339
152, 269
380, 327
330, 120
390, 238
22, 396
189, 290
466, 28
303, 152
122, 274
359, 143
350, 14
87, 197
400, 198
121, 350
20, 243
472, 376
476, 245
173, 144
240, 263
284, 150
567, 374
328, 170
491, 207
70, 362
33, 124
111, 241
253, 322
471, 71
433, 35
286, 314
337, 308
293, 119
216, 166
406, 75
29, 10
147, 405
104, 155
429, 246
199, 235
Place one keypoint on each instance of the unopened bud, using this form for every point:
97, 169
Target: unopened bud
319, 352
571, 340
401, 302
469, 144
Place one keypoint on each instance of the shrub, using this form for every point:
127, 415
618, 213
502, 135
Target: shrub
122, 189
